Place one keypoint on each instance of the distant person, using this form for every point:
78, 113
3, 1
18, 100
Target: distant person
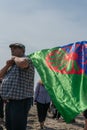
1, 110
55, 112
17, 87
85, 115
42, 100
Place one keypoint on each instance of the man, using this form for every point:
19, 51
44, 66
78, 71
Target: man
17, 87
1, 111
85, 116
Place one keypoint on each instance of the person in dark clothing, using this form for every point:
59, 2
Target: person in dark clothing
1, 110
55, 112
42, 100
85, 115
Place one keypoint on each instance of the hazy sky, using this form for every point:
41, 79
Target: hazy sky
41, 24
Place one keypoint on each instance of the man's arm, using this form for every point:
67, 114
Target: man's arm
3, 71
21, 62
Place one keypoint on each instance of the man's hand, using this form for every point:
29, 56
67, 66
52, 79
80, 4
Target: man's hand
3, 71
10, 62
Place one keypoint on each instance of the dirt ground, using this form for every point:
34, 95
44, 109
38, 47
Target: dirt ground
53, 124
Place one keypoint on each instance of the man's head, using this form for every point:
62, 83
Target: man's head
17, 49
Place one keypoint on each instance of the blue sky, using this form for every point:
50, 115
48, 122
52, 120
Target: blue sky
41, 24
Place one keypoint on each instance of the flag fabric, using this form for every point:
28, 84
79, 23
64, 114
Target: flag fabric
63, 70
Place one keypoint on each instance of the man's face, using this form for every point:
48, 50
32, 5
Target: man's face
17, 51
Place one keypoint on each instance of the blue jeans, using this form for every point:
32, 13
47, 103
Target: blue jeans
16, 114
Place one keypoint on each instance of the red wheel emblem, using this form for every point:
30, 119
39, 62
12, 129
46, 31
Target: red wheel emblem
63, 62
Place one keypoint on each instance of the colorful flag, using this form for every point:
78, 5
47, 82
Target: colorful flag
63, 70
